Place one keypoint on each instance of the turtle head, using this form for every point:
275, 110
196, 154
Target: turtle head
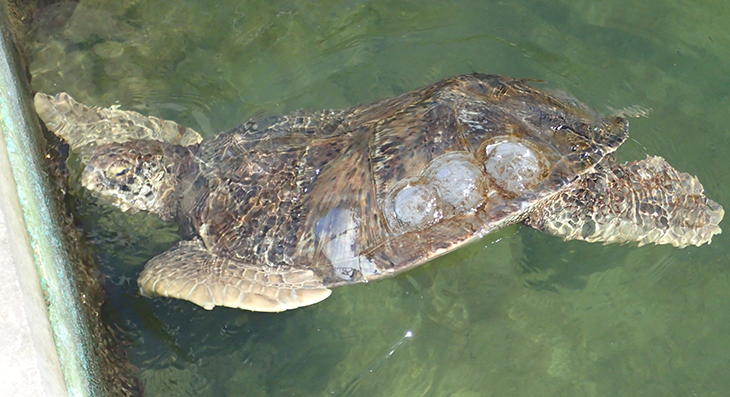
138, 175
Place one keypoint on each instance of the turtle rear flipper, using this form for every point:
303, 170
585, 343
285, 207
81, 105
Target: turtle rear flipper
189, 272
645, 201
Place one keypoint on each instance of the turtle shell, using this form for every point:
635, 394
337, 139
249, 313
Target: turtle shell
365, 193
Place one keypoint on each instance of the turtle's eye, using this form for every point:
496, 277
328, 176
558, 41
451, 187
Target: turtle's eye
117, 171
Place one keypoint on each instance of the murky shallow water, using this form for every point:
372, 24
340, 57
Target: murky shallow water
518, 313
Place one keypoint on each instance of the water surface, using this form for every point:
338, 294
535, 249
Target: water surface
515, 314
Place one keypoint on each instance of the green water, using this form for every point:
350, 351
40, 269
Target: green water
516, 314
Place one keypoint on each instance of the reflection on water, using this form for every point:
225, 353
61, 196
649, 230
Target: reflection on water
518, 313
337, 233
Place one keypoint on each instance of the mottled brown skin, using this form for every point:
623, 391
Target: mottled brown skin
277, 212
645, 201
140, 175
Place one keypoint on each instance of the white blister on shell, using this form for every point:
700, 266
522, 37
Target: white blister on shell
457, 181
513, 165
415, 205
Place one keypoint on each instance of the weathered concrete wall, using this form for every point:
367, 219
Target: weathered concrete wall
51, 339
29, 362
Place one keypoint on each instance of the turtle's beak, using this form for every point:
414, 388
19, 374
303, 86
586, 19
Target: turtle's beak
98, 183
93, 178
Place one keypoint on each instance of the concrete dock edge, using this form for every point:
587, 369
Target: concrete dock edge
44, 348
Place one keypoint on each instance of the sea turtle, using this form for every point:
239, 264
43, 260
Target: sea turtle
274, 213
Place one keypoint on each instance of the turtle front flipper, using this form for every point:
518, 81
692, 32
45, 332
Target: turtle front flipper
86, 127
645, 201
189, 272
